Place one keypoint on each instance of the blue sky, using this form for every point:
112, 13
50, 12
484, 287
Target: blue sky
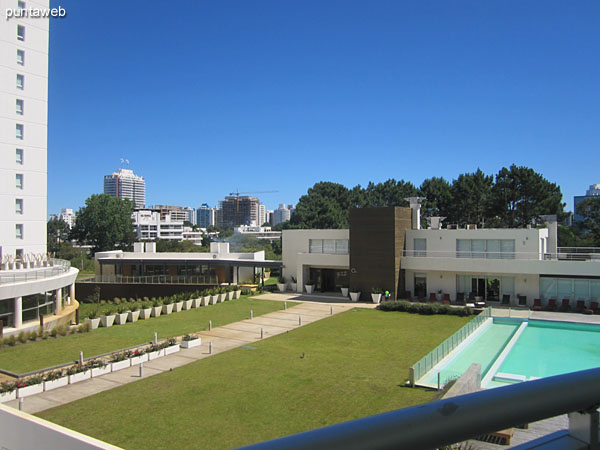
205, 98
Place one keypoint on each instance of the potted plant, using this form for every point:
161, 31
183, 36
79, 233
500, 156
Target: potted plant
121, 316
134, 314
344, 290
178, 303
197, 300
188, 303
309, 286
237, 291
354, 294
8, 391
206, 297
293, 284
167, 307
108, 318
230, 293
120, 360
78, 372
214, 296
281, 283
190, 341
99, 367
155, 351
55, 379
376, 294
138, 356
93, 319
146, 310
222, 294
30, 386
172, 346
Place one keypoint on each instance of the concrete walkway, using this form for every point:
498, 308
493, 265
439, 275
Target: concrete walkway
223, 338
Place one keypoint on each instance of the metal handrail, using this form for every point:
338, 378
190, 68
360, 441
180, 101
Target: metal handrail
56, 267
154, 279
456, 419
427, 362
527, 256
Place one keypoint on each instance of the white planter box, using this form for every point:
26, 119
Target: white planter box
354, 296
222, 297
156, 310
8, 396
214, 299
293, 287
309, 288
167, 309
107, 321
156, 354
206, 300
172, 349
230, 295
344, 292
94, 323
145, 313
139, 359
133, 316
120, 365
191, 344
178, 306
281, 287
238, 293
121, 318
197, 302
30, 390
187, 304
80, 376
54, 384
376, 298
98, 371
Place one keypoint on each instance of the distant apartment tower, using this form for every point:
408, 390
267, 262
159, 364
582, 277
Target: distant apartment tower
205, 216
150, 224
66, 215
191, 214
177, 213
242, 210
262, 215
23, 134
281, 214
592, 192
125, 184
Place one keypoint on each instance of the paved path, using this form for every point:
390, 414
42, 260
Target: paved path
223, 338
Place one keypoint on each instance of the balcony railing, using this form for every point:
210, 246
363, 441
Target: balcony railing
528, 256
469, 416
154, 279
54, 267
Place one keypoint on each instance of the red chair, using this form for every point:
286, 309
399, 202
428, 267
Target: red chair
552, 305
565, 305
580, 306
421, 296
537, 304
432, 297
593, 309
446, 299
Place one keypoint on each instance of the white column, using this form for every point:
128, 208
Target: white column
18, 314
58, 301
71, 293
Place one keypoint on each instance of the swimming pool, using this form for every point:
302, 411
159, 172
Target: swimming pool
515, 350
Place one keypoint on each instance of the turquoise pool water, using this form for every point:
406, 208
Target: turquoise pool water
543, 349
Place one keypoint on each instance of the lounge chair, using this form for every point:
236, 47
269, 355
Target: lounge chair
432, 297
506, 299
551, 305
593, 309
522, 300
565, 305
460, 298
537, 304
446, 299
421, 296
580, 306
407, 296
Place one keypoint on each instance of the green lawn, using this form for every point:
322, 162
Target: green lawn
41, 354
355, 364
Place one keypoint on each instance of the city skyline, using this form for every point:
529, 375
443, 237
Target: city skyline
281, 97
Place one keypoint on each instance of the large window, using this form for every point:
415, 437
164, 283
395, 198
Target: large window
485, 248
420, 247
491, 287
328, 246
571, 288
34, 305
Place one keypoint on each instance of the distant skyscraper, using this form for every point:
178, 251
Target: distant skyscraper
242, 210
281, 214
205, 216
262, 214
125, 184
592, 192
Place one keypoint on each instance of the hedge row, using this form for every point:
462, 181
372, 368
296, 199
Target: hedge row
425, 308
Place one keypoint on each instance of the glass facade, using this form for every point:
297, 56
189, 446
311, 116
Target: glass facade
571, 288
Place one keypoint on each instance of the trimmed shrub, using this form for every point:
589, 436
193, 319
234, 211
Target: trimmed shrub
424, 308
22, 337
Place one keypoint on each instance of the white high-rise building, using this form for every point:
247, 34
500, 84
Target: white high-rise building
262, 214
23, 132
281, 214
125, 184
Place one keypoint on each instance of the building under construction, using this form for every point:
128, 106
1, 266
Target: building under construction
239, 210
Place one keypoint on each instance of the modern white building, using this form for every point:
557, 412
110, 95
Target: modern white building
150, 224
125, 184
262, 214
66, 215
194, 236
31, 285
514, 266
257, 232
